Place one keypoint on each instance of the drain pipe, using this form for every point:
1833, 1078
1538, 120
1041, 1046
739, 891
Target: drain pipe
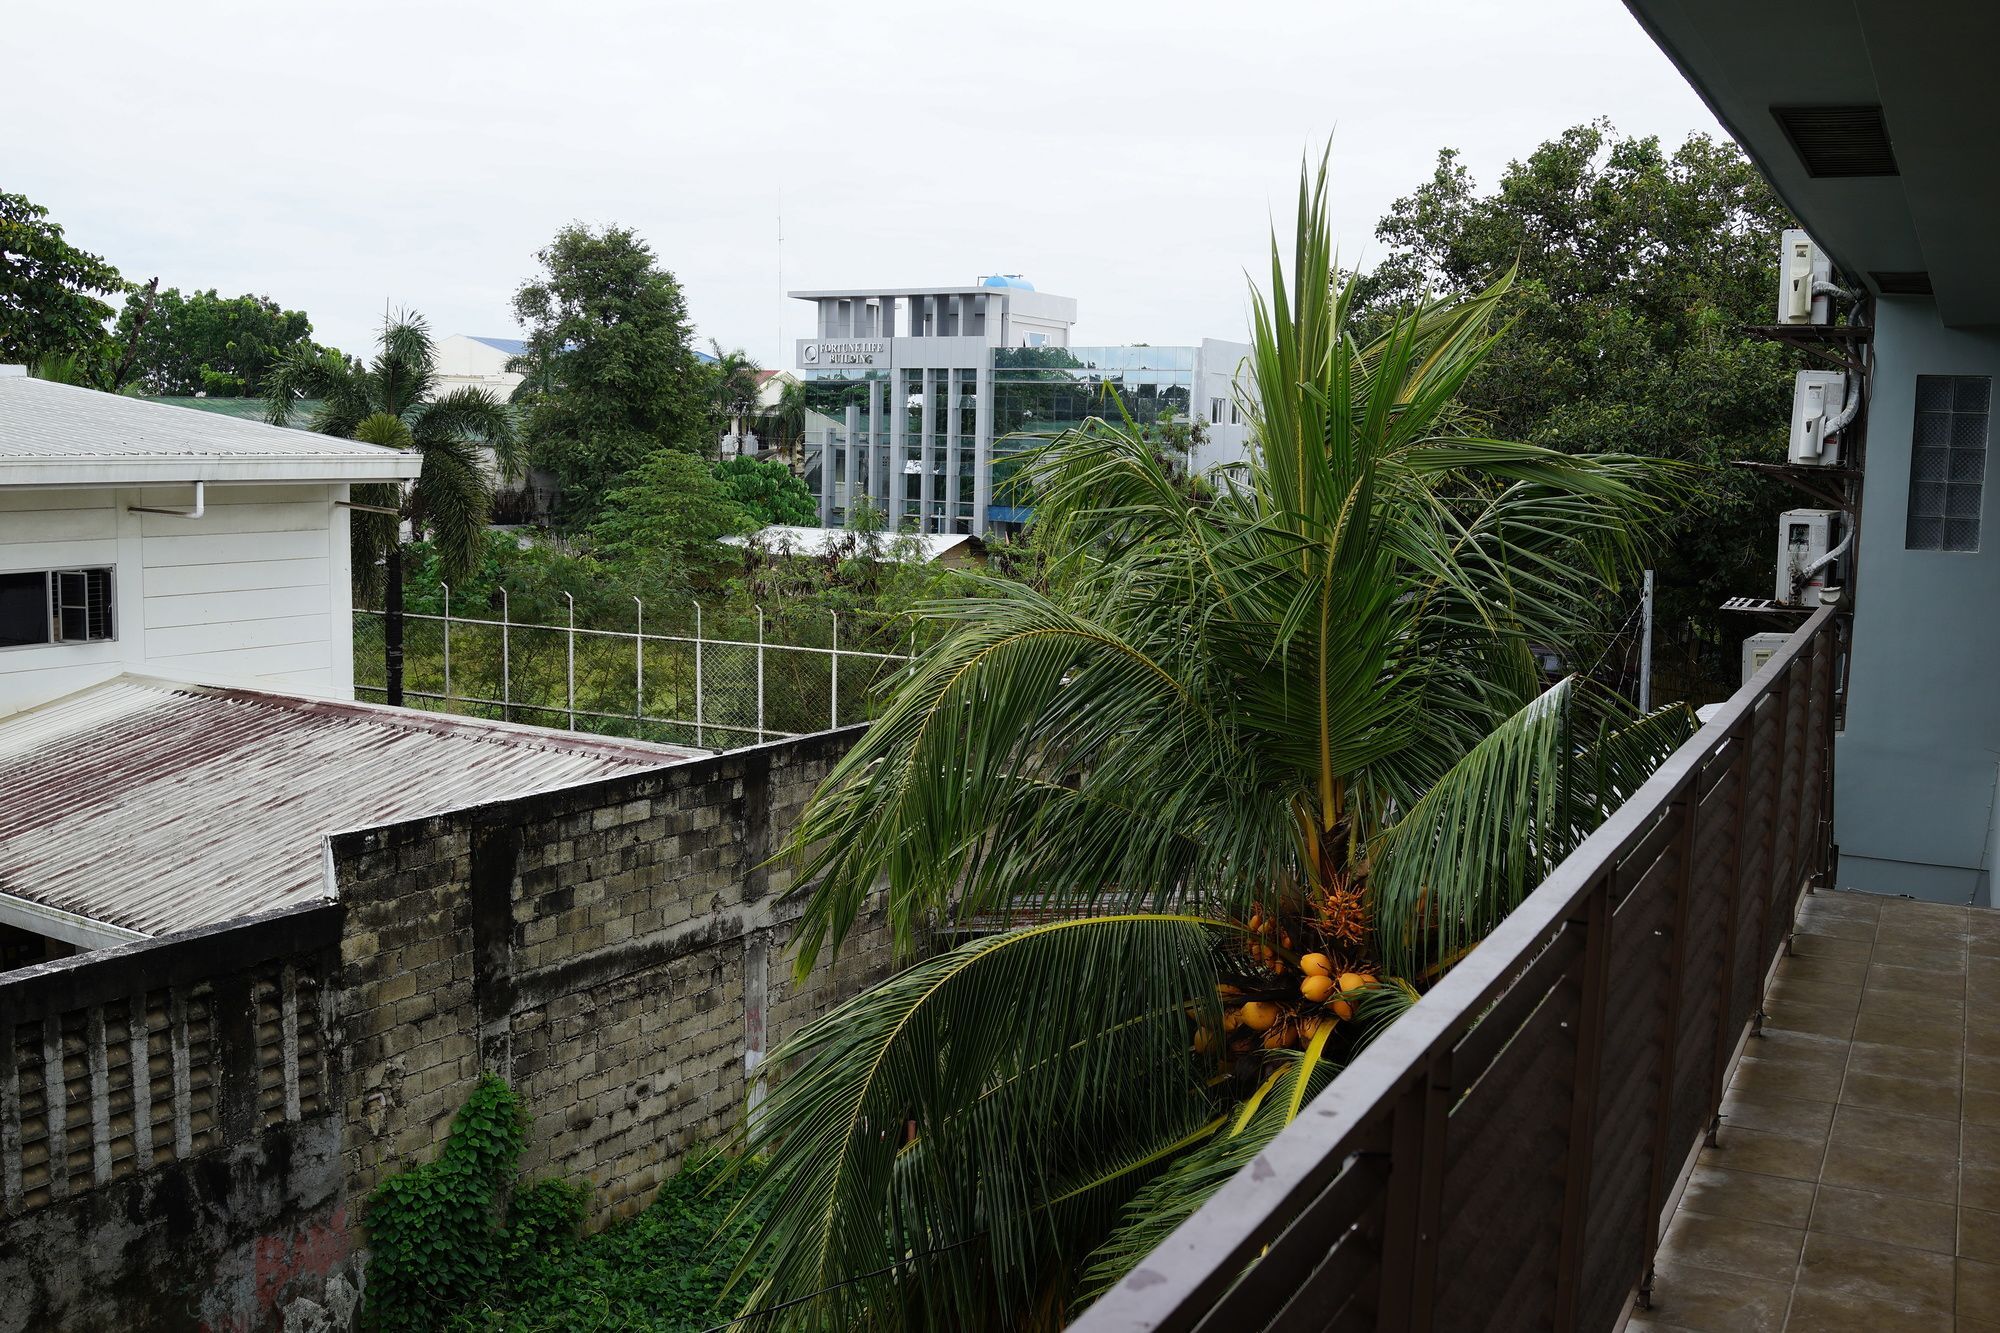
195, 511
1839, 549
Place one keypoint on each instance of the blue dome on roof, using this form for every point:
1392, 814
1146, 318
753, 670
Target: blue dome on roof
1014, 280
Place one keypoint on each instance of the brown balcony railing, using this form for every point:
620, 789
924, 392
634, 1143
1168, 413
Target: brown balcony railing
1501, 1158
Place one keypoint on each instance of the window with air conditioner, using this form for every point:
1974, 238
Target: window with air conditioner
1948, 462
45, 606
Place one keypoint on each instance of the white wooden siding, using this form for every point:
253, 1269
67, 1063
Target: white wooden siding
253, 592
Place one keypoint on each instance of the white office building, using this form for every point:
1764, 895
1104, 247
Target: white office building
923, 397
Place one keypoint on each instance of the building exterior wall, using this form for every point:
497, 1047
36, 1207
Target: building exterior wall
253, 592
1917, 760
228, 1098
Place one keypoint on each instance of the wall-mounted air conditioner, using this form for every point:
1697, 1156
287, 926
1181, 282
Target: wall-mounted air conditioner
1802, 266
1811, 543
1819, 399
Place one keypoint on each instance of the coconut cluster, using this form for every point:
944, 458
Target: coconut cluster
1272, 1010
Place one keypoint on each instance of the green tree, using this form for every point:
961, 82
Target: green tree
614, 376
206, 342
49, 289
1637, 269
768, 491
670, 515
1295, 729
391, 401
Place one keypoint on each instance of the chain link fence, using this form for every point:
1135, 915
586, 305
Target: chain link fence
680, 681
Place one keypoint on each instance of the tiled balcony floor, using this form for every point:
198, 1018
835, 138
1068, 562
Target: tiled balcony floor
1856, 1184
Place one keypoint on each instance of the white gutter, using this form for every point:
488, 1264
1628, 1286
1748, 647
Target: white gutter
56, 924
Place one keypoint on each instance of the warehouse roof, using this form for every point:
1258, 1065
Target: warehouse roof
142, 807
62, 435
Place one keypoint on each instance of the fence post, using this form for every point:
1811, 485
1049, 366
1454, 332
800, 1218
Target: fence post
569, 662
760, 675
506, 662
697, 675
833, 696
447, 640
639, 660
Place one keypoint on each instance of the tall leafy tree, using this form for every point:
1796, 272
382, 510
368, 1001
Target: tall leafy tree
1637, 268
392, 400
205, 342
669, 516
733, 387
768, 491
614, 376
1254, 770
50, 292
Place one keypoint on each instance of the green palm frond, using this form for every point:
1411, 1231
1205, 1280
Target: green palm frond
1026, 1063
1492, 827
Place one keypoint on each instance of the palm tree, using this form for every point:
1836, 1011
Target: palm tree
735, 391
392, 401
1263, 764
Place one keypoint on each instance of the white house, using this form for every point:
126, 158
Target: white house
479, 362
139, 538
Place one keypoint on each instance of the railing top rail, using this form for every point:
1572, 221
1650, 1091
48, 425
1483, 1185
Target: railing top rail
1172, 1286
649, 636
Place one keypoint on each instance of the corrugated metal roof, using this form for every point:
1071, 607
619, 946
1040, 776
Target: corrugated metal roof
51, 434
511, 346
155, 807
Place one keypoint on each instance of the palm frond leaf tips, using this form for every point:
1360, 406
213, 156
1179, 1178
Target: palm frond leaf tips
1261, 761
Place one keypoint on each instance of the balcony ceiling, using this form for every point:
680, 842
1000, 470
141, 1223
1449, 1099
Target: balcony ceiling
1927, 63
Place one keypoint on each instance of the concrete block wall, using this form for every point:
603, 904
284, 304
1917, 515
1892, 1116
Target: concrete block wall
615, 950
169, 1140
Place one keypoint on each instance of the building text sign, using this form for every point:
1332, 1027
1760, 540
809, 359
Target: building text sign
834, 354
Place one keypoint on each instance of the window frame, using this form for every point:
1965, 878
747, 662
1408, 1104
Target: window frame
51, 585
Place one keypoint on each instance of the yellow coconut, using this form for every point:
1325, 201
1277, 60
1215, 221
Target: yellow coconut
1351, 982
1343, 1008
1316, 988
1258, 1016
1316, 964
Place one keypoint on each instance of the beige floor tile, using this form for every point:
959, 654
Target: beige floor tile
1825, 994
1911, 1062
1821, 971
1759, 1198
1979, 1107
1890, 1093
1882, 1023
1979, 1235
1978, 1287
1885, 1172
1714, 1302
1912, 1006
1866, 1270
1915, 980
1788, 1078
1888, 1219
1982, 1073
1733, 1245
1980, 1144
1833, 1312
1847, 906
1980, 1039
1787, 1117
1818, 1020
1766, 1154
1808, 944
1949, 962
1916, 1136
1979, 1187
1839, 927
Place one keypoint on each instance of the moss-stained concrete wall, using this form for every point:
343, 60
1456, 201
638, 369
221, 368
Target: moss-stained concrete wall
616, 951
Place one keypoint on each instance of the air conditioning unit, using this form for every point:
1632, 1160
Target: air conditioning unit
1759, 649
1805, 538
1801, 267
1818, 396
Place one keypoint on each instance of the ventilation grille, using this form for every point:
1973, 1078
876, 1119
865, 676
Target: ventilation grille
1837, 141
1902, 284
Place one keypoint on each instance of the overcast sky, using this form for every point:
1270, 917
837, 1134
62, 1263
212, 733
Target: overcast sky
1129, 155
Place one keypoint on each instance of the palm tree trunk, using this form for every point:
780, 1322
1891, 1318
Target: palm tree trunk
392, 622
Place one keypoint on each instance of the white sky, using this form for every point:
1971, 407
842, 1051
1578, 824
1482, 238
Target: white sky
337, 156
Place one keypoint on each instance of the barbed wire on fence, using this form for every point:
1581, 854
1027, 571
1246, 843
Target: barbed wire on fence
711, 692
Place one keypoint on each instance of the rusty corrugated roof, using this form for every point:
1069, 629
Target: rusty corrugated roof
154, 807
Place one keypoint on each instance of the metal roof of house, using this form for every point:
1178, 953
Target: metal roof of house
511, 346
791, 538
142, 807
61, 435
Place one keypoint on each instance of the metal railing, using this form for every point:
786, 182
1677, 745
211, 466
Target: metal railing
1504, 1155
711, 692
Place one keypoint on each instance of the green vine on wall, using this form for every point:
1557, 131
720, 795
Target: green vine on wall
438, 1237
